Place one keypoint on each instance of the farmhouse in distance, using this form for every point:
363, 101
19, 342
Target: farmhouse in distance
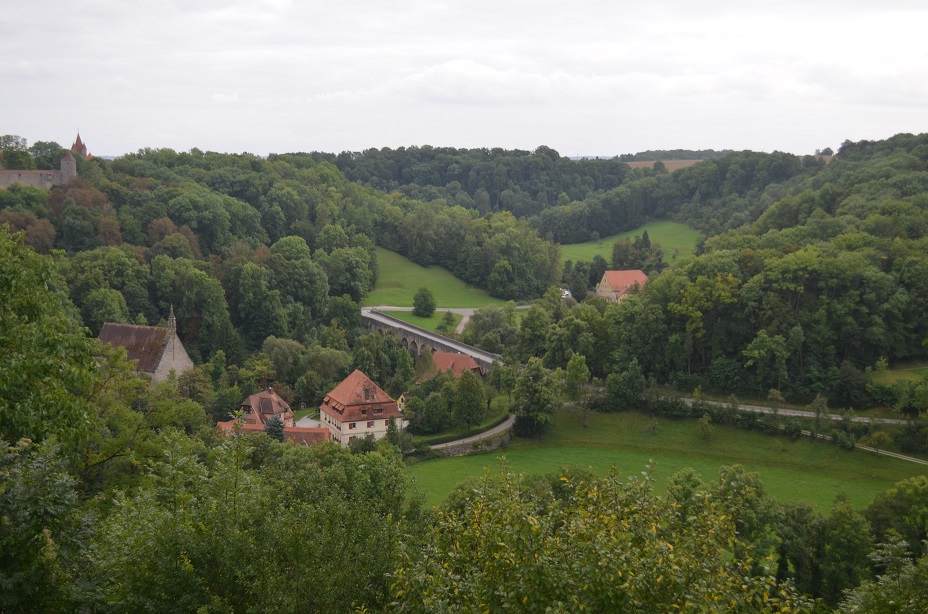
616, 285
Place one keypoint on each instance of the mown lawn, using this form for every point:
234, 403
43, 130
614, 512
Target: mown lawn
400, 278
791, 471
431, 323
677, 241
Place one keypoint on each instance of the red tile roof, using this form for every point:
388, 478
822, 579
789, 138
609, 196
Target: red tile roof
305, 435
456, 363
143, 343
622, 281
355, 394
296, 435
262, 406
357, 389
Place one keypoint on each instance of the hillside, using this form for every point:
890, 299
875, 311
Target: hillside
400, 278
677, 240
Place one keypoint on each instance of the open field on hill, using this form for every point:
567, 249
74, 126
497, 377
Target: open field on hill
670, 165
400, 278
909, 372
677, 241
430, 323
791, 470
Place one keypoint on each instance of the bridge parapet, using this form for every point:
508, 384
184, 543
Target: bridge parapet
415, 338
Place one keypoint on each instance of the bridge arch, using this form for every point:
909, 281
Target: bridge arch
416, 339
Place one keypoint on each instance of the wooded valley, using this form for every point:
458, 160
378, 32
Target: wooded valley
116, 494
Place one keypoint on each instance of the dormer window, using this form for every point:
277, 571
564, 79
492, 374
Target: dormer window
378, 410
363, 412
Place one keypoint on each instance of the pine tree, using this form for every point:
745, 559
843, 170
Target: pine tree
275, 428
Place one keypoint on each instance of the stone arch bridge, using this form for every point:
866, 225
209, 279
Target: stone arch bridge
415, 339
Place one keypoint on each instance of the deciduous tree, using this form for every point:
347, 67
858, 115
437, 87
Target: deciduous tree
423, 303
536, 396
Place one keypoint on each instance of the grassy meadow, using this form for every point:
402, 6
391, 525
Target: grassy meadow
677, 241
400, 278
791, 470
910, 372
431, 323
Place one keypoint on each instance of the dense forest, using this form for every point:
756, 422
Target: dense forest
118, 495
818, 277
570, 201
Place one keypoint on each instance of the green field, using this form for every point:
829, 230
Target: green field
909, 372
430, 323
400, 278
677, 241
791, 470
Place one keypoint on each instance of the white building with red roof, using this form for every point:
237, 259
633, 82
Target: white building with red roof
616, 285
356, 408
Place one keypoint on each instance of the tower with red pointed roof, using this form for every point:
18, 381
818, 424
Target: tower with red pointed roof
80, 148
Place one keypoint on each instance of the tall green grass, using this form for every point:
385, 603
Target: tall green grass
400, 279
677, 241
791, 470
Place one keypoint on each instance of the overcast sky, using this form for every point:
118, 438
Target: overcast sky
586, 77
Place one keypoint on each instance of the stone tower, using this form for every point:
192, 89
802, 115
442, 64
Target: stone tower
68, 168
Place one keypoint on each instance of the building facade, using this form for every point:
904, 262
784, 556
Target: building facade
358, 407
616, 285
259, 408
156, 350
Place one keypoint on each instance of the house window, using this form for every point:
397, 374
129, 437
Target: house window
386, 423
370, 424
350, 425
363, 412
378, 410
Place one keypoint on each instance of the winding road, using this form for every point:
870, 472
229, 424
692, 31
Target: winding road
499, 428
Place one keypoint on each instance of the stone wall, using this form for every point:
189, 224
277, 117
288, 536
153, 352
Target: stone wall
36, 179
41, 179
494, 442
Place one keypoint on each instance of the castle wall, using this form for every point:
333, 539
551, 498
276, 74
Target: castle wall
36, 179
41, 179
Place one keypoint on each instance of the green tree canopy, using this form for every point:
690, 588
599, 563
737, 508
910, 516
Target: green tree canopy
47, 367
423, 303
586, 544
536, 396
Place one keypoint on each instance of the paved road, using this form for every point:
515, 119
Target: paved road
801, 413
499, 428
482, 357
464, 312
